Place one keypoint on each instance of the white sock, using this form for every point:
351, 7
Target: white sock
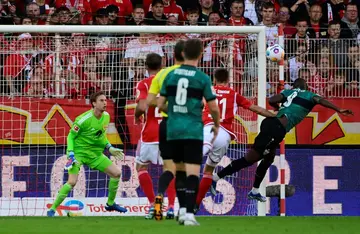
190, 216
182, 211
255, 190
215, 177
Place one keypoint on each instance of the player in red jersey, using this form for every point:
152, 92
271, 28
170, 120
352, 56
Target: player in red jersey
228, 101
148, 147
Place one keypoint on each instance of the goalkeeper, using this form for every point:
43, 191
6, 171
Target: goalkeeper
85, 145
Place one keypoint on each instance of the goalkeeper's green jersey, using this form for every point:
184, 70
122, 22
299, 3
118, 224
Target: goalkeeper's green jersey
87, 137
298, 104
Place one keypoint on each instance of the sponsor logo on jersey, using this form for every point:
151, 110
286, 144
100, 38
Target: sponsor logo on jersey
76, 128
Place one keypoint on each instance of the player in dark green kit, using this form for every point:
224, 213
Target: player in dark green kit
296, 104
185, 88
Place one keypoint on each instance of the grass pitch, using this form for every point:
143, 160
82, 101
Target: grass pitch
209, 225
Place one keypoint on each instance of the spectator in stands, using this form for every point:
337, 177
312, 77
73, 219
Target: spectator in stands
171, 9
250, 11
284, 18
259, 5
301, 8
8, 13
192, 16
63, 13
237, 14
156, 15
318, 83
350, 23
332, 10
125, 7
300, 61
316, 28
74, 6
214, 17
137, 16
106, 85
337, 47
26, 21
300, 37
101, 17
91, 77
222, 22
268, 11
172, 21
206, 7
304, 73
36, 86
113, 14
33, 12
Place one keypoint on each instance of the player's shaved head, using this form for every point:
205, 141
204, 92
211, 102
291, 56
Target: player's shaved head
178, 50
193, 49
153, 61
221, 76
94, 97
300, 84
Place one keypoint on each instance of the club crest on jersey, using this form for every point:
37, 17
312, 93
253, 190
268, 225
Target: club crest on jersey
76, 128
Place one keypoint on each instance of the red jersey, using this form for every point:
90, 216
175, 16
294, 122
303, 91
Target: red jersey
228, 101
150, 131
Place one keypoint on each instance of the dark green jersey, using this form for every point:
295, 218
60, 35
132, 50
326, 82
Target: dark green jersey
297, 106
185, 88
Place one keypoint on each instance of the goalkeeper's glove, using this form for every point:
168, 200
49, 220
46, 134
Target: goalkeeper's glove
71, 161
117, 153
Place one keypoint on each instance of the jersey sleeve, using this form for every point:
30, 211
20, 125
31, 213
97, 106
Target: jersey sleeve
77, 127
141, 91
209, 93
106, 125
243, 102
286, 92
163, 91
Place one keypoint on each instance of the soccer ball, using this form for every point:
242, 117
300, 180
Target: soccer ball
275, 53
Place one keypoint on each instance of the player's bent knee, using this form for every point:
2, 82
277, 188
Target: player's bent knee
209, 169
180, 167
72, 180
192, 169
169, 165
140, 167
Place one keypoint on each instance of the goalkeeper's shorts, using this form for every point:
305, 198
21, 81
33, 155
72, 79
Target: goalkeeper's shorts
165, 150
99, 163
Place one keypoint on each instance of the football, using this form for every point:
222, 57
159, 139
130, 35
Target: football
275, 53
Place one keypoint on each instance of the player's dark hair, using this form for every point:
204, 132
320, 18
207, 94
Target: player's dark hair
153, 61
193, 49
300, 83
178, 50
221, 75
94, 97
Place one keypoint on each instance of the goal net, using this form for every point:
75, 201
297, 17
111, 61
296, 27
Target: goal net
47, 78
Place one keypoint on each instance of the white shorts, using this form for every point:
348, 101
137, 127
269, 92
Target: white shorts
148, 153
218, 149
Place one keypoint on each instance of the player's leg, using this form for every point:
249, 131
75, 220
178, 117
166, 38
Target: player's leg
171, 193
66, 188
104, 164
193, 159
147, 153
260, 174
219, 149
253, 155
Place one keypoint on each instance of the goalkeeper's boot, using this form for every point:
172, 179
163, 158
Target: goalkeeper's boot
151, 213
256, 196
115, 207
158, 207
213, 188
190, 220
50, 213
170, 213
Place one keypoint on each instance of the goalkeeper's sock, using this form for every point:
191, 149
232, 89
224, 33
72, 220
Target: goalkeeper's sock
63, 193
171, 193
261, 172
234, 167
113, 187
192, 187
147, 185
180, 183
164, 181
204, 187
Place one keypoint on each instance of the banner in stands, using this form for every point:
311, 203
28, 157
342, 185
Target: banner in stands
326, 183
47, 121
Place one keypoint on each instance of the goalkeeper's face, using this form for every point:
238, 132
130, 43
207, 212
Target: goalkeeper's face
100, 103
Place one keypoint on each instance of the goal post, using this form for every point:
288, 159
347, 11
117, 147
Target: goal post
9, 202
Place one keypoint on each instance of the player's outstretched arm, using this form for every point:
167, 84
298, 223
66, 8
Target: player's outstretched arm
261, 111
161, 104
325, 103
275, 100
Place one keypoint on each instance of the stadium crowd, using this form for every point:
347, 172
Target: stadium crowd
322, 44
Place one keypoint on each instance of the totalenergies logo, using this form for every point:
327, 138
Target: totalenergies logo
70, 208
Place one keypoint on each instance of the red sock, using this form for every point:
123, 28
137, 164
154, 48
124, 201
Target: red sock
147, 185
203, 187
171, 192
